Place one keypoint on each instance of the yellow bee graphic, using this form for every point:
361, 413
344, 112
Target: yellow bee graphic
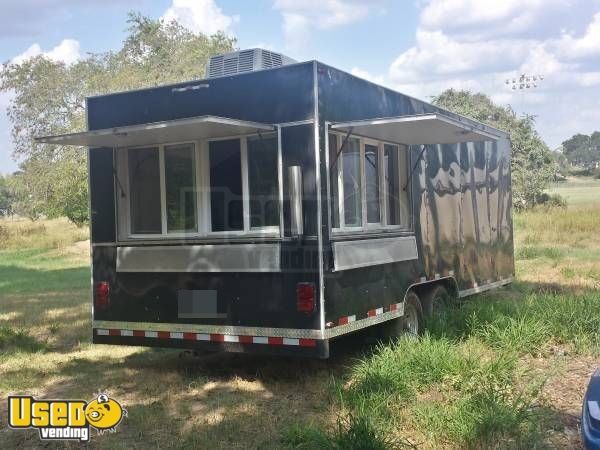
104, 413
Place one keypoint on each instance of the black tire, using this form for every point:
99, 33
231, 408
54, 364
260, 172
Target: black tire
436, 302
412, 321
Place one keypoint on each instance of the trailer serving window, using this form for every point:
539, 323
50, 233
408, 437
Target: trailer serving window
384, 164
217, 187
367, 179
198, 176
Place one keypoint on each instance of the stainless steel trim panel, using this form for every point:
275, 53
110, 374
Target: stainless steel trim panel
211, 329
372, 252
485, 287
200, 258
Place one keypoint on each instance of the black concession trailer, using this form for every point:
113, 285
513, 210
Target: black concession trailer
273, 210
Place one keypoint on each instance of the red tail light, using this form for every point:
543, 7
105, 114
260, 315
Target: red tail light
102, 295
305, 297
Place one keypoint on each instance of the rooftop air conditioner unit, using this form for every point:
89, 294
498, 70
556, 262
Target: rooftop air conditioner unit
245, 61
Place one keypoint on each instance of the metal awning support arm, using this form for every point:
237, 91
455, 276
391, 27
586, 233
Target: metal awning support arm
412, 171
337, 156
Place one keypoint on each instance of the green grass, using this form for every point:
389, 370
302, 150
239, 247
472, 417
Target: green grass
578, 191
504, 370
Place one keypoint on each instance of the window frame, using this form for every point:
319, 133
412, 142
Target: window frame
402, 153
202, 185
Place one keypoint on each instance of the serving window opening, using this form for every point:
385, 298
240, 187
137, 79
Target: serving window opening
212, 187
367, 184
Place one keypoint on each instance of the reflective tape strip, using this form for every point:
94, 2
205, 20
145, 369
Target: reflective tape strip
269, 340
374, 312
345, 320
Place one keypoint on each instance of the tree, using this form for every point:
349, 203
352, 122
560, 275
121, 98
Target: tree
583, 150
6, 196
49, 98
533, 165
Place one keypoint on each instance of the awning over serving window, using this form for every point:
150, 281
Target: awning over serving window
159, 132
420, 129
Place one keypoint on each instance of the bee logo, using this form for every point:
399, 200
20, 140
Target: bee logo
104, 413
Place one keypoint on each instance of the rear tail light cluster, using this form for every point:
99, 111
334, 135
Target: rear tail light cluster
305, 297
101, 295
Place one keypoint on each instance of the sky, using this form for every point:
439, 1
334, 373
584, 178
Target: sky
418, 47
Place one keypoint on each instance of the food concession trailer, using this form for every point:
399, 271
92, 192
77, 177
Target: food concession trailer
274, 206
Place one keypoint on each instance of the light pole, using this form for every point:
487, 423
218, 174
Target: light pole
524, 83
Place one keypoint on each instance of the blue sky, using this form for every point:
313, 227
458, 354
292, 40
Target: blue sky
419, 47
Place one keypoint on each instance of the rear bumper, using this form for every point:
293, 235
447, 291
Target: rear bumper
269, 345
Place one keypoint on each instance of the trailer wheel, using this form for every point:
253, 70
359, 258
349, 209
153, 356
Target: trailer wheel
435, 301
413, 315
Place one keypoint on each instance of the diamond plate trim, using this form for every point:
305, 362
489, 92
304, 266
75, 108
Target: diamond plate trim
366, 322
210, 329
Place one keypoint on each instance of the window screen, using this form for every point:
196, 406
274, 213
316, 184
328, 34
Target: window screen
144, 189
372, 183
392, 184
352, 184
180, 184
334, 147
226, 206
263, 181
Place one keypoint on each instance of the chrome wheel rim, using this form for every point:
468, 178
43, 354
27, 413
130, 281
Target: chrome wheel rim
411, 320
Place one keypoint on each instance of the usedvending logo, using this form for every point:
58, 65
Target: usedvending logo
65, 419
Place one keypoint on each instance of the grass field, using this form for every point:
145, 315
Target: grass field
507, 369
579, 191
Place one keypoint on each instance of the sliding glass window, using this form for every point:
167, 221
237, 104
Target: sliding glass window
226, 201
352, 183
144, 190
180, 188
263, 181
392, 184
372, 183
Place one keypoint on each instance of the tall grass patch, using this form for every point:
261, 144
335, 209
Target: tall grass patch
530, 324
47, 234
557, 226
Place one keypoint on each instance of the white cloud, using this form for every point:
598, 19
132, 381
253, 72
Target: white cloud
587, 45
512, 15
300, 17
200, 16
68, 51
477, 45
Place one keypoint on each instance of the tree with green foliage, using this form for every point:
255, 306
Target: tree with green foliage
49, 98
533, 165
6, 196
582, 150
